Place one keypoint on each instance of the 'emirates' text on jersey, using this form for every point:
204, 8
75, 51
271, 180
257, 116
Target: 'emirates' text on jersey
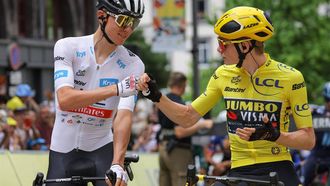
89, 128
275, 90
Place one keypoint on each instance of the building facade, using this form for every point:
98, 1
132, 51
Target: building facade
33, 26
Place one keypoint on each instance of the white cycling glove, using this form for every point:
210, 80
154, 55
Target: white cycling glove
127, 87
120, 172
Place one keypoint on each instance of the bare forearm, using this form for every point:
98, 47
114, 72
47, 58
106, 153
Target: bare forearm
183, 115
70, 98
181, 132
122, 133
300, 139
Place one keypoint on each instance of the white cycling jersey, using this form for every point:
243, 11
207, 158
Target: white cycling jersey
89, 128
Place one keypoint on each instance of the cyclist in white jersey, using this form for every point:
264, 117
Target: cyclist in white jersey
95, 93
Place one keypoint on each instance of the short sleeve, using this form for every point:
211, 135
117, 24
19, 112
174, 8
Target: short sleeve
208, 99
63, 72
299, 103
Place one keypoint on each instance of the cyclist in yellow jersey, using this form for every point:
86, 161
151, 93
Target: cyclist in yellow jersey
260, 95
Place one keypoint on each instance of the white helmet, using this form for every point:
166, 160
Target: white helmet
133, 8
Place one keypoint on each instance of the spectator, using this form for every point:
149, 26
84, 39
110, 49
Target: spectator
140, 117
3, 124
44, 123
147, 140
321, 152
18, 114
217, 154
37, 144
12, 140
24, 95
49, 100
175, 149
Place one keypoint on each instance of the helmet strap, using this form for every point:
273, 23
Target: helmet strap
242, 55
103, 24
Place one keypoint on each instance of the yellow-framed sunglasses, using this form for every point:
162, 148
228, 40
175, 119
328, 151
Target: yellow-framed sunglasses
222, 43
125, 20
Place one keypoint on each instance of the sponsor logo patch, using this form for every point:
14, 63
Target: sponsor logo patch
81, 83
80, 54
121, 64
93, 111
236, 80
60, 74
107, 82
302, 110
58, 58
81, 73
276, 150
229, 89
298, 86
250, 113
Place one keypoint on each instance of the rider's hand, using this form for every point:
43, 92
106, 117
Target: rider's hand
153, 92
267, 132
120, 174
127, 87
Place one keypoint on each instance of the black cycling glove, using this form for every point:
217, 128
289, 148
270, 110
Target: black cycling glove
267, 132
153, 93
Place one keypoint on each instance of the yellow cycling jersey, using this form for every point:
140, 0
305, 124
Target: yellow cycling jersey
275, 89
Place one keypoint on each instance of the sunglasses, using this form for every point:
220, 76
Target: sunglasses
124, 21
223, 43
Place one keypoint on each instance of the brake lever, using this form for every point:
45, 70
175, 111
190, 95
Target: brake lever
112, 176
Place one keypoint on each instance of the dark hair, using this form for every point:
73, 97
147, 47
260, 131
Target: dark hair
177, 79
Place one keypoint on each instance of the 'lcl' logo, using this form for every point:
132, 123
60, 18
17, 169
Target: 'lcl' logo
303, 107
268, 83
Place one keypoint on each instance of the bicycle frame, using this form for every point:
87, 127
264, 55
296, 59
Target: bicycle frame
129, 158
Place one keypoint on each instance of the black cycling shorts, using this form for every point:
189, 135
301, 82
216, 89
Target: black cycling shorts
80, 163
285, 171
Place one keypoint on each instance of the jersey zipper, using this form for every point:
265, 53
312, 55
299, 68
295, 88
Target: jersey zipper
78, 136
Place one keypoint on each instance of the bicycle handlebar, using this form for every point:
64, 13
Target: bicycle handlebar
129, 158
193, 178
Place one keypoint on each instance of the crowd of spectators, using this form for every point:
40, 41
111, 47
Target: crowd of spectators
25, 124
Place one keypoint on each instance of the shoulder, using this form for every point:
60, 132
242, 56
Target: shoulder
128, 55
283, 70
128, 58
72, 41
226, 70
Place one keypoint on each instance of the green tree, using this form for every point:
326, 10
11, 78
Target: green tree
301, 40
155, 63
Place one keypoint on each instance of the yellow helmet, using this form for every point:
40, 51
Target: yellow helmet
244, 22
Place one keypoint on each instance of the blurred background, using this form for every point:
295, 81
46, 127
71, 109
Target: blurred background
173, 36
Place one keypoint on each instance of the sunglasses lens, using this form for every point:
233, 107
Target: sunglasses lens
136, 22
125, 21
121, 19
